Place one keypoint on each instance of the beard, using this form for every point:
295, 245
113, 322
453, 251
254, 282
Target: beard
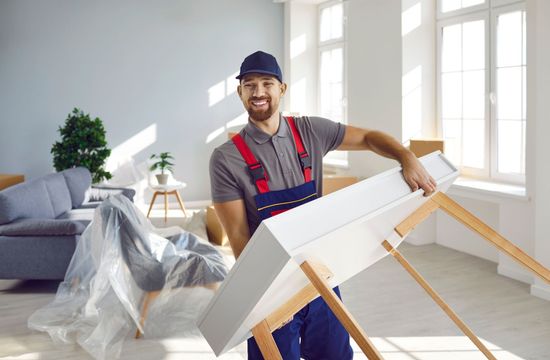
261, 115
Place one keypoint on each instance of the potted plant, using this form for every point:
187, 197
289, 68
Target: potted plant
82, 144
163, 163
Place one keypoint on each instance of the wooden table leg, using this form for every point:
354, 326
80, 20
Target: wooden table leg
152, 202
149, 297
435, 296
337, 307
265, 341
180, 202
452, 208
418, 216
165, 206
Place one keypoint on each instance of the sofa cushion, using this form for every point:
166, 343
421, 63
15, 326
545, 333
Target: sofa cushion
42, 227
59, 193
78, 181
49, 258
83, 215
26, 200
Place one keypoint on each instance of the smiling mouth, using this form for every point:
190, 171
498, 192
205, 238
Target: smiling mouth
259, 103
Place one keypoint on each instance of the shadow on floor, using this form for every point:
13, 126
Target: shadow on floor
29, 286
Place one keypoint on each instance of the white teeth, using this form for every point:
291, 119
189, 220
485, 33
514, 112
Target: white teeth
259, 103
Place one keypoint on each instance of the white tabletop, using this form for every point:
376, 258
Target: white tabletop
343, 231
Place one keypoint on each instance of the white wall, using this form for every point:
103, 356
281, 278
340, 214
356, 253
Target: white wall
144, 67
374, 75
454, 235
301, 56
538, 114
419, 49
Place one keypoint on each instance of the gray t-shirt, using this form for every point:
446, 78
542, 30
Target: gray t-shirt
229, 176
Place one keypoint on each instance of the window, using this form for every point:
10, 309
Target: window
332, 79
454, 5
510, 73
481, 89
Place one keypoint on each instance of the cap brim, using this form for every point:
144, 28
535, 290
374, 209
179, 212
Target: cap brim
240, 76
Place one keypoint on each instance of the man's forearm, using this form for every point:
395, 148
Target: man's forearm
387, 146
238, 243
232, 215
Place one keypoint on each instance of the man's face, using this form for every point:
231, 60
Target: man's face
261, 95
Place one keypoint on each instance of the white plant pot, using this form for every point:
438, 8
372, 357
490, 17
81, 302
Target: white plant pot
162, 179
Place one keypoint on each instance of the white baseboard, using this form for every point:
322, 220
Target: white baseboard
199, 204
516, 274
541, 291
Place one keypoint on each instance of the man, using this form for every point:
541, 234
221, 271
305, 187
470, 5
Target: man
275, 164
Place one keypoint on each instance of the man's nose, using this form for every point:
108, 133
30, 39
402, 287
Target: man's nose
259, 91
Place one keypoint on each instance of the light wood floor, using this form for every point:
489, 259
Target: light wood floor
400, 318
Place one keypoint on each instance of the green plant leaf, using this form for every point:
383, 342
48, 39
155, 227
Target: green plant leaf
82, 143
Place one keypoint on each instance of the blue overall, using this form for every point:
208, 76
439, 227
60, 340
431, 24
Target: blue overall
314, 332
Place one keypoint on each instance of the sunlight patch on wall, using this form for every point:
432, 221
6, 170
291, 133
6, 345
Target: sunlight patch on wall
133, 145
214, 134
121, 161
298, 46
412, 104
411, 18
231, 84
216, 93
240, 120
236, 122
298, 96
223, 89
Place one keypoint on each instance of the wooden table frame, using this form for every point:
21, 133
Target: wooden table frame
166, 193
318, 276
7, 180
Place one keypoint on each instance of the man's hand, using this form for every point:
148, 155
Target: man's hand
416, 176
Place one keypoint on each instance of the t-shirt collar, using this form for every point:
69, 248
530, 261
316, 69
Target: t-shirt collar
261, 137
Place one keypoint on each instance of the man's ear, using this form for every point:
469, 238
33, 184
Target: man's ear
239, 90
283, 88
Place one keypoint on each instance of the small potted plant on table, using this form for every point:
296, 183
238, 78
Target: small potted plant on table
163, 163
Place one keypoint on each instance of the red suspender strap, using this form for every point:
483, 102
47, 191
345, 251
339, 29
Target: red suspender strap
254, 166
305, 160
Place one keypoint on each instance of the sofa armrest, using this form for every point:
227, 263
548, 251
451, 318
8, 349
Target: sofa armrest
42, 227
102, 192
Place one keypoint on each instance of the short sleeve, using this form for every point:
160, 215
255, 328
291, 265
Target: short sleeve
329, 134
223, 184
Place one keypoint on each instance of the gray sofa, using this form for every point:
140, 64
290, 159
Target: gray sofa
41, 220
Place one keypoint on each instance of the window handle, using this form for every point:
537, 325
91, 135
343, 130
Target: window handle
492, 98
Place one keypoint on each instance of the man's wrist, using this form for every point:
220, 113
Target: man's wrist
405, 156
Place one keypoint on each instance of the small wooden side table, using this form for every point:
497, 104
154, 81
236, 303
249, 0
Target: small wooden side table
7, 180
171, 189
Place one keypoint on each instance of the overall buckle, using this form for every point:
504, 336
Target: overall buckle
257, 171
305, 160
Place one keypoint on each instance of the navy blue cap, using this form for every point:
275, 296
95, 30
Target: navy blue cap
261, 63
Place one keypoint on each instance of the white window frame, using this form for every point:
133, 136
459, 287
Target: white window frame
495, 174
468, 171
341, 159
488, 12
463, 11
